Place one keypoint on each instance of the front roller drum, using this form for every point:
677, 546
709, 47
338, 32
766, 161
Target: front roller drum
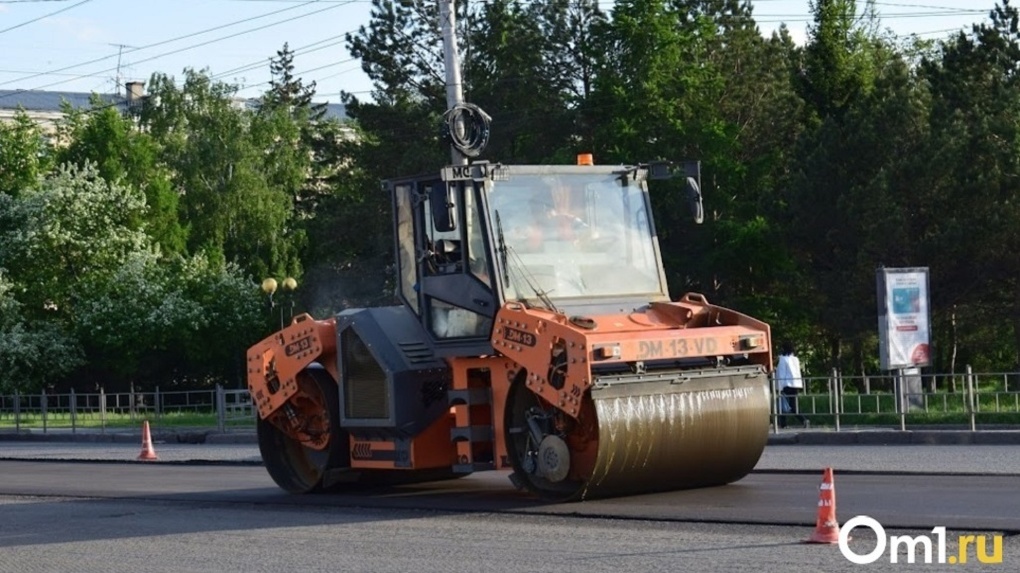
642, 435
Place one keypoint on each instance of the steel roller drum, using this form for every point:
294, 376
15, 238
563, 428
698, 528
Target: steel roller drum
673, 431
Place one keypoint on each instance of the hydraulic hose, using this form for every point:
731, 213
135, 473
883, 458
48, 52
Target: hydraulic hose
473, 135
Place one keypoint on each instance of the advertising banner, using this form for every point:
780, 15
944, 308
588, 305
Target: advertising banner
903, 318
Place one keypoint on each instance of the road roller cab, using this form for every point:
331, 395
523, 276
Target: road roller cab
533, 334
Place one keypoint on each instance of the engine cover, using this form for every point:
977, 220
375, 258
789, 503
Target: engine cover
392, 385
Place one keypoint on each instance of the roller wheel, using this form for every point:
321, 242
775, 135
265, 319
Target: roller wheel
541, 466
298, 461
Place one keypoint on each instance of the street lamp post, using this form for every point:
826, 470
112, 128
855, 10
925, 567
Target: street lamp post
289, 285
269, 286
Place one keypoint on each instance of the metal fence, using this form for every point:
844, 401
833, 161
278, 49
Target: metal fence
966, 399
218, 408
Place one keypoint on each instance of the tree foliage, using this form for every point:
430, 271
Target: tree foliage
34, 351
25, 154
151, 321
975, 89
73, 225
530, 65
122, 154
237, 172
131, 244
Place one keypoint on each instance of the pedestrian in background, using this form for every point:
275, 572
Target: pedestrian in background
790, 384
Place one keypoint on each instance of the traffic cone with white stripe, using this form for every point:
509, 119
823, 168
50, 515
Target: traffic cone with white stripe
826, 526
148, 454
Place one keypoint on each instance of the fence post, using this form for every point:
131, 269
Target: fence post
774, 408
901, 394
221, 408
837, 396
74, 404
17, 411
157, 404
102, 410
43, 404
131, 402
970, 398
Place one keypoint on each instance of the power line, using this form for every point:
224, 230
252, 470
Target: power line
186, 48
302, 73
28, 1
930, 6
764, 18
76, 76
164, 42
306, 49
44, 16
937, 32
930, 11
277, 23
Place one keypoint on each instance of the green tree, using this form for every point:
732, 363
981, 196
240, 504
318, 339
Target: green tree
286, 90
350, 247
25, 154
314, 155
531, 67
168, 321
651, 81
123, 154
696, 80
745, 131
975, 168
400, 50
33, 351
237, 172
73, 225
857, 204
839, 64
393, 135
838, 198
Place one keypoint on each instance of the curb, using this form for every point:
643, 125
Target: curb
158, 437
801, 438
897, 438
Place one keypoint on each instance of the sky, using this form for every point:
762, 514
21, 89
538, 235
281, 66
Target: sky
97, 45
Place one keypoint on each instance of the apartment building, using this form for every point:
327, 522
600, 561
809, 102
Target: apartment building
44, 107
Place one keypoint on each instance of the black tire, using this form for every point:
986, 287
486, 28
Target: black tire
298, 468
518, 443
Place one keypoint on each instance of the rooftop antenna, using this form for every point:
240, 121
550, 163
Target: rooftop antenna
118, 81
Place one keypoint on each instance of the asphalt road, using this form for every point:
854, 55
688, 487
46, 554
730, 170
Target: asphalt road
229, 527
225, 514
104, 536
955, 459
907, 501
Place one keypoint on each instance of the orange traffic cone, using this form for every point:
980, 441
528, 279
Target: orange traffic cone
826, 526
148, 453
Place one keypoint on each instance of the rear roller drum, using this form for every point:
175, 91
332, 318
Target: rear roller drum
299, 459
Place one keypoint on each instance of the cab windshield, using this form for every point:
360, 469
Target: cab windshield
574, 236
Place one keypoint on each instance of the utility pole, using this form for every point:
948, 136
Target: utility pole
451, 60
